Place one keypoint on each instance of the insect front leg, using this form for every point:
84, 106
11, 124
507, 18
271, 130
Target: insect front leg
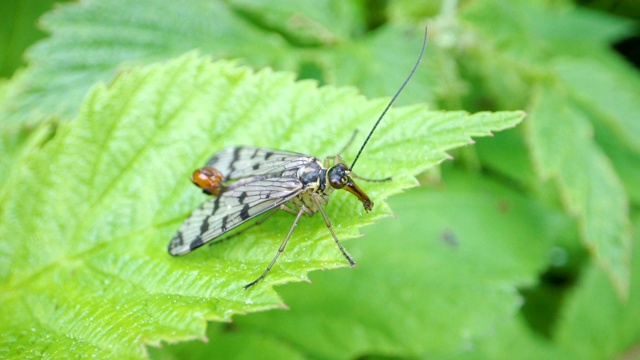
332, 160
330, 227
282, 246
346, 146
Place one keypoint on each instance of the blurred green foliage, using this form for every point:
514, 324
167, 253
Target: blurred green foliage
526, 245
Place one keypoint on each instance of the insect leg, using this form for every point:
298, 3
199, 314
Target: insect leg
346, 146
330, 227
371, 180
280, 249
289, 210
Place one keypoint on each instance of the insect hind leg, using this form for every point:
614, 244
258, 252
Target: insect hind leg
280, 249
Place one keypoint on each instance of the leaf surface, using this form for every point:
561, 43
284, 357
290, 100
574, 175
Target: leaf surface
561, 142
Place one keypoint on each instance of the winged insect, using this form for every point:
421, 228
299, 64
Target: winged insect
248, 182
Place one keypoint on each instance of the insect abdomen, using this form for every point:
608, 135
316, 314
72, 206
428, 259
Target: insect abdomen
209, 179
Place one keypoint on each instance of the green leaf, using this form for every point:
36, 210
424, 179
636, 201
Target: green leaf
514, 334
436, 279
510, 56
91, 41
306, 22
612, 92
589, 186
625, 160
609, 95
226, 341
596, 323
372, 62
16, 145
534, 31
542, 46
18, 30
515, 163
84, 236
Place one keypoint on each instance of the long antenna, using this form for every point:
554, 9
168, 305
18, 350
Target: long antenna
415, 67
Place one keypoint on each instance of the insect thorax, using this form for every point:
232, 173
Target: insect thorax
313, 176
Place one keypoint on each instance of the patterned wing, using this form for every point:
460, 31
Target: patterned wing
243, 161
241, 202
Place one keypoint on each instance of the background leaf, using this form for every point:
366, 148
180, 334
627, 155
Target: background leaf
548, 79
596, 324
564, 151
17, 31
64, 66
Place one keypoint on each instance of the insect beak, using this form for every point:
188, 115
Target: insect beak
351, 187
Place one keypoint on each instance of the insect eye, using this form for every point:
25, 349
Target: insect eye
337, 183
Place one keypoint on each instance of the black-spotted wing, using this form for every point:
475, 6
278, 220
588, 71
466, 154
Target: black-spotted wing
256, 181
244, 161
